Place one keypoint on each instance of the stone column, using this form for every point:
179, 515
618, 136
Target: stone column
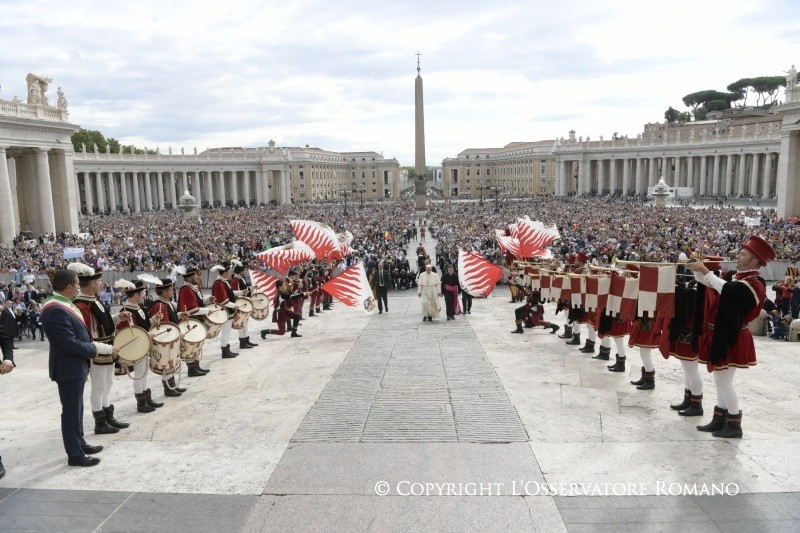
222, 188
715, 175
8, 225
123, 187
690, 177
184, 185
754, 174
87, 193
626, 176
210, 188
148, 191
112, 191
741, 189
788, 169
613, 177
101, 192
286, 187
46, 214
666, 171
564, 177
730, 175
171, 189
767, 183
703, 188
246, 186
72, 202
235, 187
137, 201
160, 186
260, 186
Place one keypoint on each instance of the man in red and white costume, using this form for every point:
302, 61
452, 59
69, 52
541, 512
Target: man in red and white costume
727, 343
192, 301
225, 296
163, 306
240, 283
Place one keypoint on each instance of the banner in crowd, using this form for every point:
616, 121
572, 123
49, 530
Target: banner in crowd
73, 252
320, 237
477, 275
352, 289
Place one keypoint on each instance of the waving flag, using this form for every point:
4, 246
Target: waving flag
507, 244
534, 237
477, 275
345, 238
265, 283
320, 237
281, 258
352, 289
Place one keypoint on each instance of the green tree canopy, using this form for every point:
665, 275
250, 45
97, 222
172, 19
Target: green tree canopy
89, 138
765, 87
695, 100
671, 115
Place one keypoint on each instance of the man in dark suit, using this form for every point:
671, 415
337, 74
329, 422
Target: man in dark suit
71, 351
8, 330
383, 279
5, 367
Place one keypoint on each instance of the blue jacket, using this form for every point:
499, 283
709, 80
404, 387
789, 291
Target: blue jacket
71, 348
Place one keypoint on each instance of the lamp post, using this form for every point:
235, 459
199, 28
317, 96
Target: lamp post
496, 191
362, 190
345, 193
481, 187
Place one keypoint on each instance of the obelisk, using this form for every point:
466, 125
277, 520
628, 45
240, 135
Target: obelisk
420, 184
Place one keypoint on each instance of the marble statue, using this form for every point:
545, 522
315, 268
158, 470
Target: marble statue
572, 136
791, 79
182, 152
96, 149
195, 150
35, 93
271, 145
580, 139
62, 102
170, 150
83, 147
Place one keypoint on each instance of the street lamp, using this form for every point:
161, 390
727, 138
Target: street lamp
481, 187
345, 193
362, 190
496, 191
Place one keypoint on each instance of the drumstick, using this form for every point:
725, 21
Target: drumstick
162, 332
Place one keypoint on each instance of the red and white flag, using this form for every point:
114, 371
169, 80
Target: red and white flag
545, 282
352, 289
477, 275
577, 285
657, 291
265, 283
320, 237
282, 258
597, 292
534, 237
623, 295
507, 244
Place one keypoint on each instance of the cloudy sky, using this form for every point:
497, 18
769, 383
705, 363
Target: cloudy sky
340, 75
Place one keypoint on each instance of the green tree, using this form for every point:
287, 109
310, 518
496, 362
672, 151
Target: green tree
766, 89
671, 115
702, 98
89, 138
113, 145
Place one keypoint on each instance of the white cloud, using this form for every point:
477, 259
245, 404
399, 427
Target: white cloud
341, 76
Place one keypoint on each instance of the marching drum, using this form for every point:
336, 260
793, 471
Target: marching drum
244, 306
260, 306
165, 353
215, 319
193, 336
134, 345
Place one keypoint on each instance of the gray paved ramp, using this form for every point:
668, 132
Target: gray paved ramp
411, 381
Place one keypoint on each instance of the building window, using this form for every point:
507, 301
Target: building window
487, 170
468, 172
478, 172
544, 170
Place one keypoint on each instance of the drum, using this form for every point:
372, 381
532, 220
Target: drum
244, 306
134, 345
165, 353
193, 336
215, 319
260, 306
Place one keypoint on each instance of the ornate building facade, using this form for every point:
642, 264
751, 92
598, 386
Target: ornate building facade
45, 185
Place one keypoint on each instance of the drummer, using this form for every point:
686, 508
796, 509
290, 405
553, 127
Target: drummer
164, 306
100, 323
226, 297
192, 301
135, 295
239, 283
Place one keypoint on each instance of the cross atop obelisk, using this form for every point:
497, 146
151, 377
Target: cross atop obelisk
419, 129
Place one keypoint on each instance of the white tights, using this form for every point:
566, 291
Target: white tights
102, 376
726, 395
691, 377
140, 371
620, 342
647, 359
591, 334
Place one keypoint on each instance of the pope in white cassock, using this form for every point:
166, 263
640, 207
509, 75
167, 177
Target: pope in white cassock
429, 289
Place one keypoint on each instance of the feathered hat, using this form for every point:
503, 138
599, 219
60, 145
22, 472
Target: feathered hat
85, 272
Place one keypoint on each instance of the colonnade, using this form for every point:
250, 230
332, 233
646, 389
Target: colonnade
731, 174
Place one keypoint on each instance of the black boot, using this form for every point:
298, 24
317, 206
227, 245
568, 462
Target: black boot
575, 340
604, 354
172, 384
618, 366
227, 353
294, 333
553, 327
311, 313
149, 396
141, 404
640, 380
648, 381
243, 344
695, 406
250, 344
113, 422
265, 332
194, 370
732, 429
567, 333
717, 421
589, 347
687, 395
171, 392
519, 329
101, 426
318, 310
